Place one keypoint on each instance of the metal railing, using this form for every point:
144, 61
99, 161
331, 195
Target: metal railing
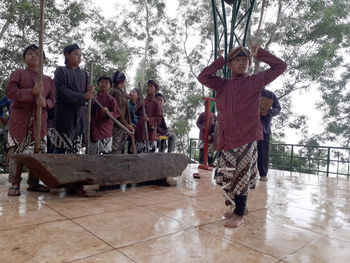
331, 161
193, 150
313, 159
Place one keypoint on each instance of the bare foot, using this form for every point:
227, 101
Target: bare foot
234, 222
230, 214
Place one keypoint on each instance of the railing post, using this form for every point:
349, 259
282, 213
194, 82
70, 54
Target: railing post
328, 160
291, 158
338, 164
348, 163
190, 148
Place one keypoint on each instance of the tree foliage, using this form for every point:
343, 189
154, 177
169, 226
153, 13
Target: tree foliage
143, 37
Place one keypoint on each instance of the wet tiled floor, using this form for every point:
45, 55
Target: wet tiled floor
294, 218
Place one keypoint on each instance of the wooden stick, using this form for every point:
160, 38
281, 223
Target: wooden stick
133, 145
91, 72
41, 73
146, 124
114, 119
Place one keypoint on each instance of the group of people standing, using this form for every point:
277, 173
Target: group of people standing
64, 103
237, 99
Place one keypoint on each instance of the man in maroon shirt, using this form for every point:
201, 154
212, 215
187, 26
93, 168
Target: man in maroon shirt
237, 101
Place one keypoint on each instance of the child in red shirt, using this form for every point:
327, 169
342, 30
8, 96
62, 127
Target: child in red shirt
237, 101
23, 89
102, 125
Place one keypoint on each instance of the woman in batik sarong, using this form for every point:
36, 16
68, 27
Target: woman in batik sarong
73, 94
117, 92
237, 101
101, 123
23, 89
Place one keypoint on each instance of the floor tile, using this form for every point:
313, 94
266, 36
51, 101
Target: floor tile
107, 257
129, 226
25, 213
342, 233
265, 235
191, 212
193, 246
82, 206
50, 242
325, 250
149, 198
302, 218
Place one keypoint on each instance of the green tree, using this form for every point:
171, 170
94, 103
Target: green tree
19, 27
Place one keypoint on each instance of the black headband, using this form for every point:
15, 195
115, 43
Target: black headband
32, 47
105, 77
69, 49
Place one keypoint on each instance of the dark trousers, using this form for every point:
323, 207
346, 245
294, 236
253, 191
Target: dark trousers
210, 157
171, 143
264, 155
240, 204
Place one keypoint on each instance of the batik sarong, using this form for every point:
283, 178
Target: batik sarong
141, 147
27, 145
101, 146
119, 138
242, 177
62, 141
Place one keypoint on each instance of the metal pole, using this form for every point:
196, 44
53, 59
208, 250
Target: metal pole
328, 160
144, 115
225, 34
190, 148
133, 145
91, 72
41, 73
252, 2
216, 40
291, 158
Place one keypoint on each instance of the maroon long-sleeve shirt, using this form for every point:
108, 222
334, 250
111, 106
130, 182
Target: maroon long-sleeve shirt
201, 124
238, 99
154, 114
23, 106
101, 124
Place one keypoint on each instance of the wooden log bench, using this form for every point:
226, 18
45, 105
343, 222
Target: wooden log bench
74, 170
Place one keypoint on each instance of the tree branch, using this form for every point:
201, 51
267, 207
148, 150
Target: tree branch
276, 24
8, 22
186, 54
143, 72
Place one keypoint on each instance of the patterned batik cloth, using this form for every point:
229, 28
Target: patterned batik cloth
239, 180
61, 140
27, 145
101, 146
141, 147
119, 138
211, 148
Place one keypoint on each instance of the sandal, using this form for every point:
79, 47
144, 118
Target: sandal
14, 191
196, 175
38, 188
